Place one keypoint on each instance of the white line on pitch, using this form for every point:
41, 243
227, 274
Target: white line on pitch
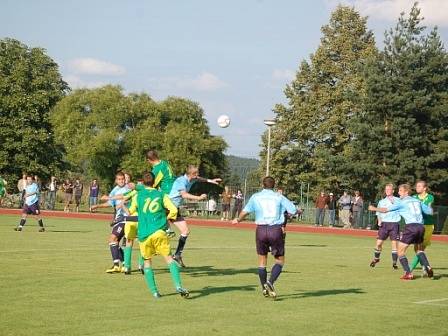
434, 302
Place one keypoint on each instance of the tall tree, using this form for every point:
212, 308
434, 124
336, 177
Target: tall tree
312, 136
402, 134
30, 85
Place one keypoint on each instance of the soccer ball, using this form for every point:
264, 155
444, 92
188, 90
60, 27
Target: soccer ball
223, 121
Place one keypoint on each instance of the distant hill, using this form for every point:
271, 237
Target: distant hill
240, 166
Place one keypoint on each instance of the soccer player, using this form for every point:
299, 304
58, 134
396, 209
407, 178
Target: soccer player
389, 226
423, 196
269, 208
412, 211
118, 225
31, 204
179, 192
164, 177
153, 206
3, 184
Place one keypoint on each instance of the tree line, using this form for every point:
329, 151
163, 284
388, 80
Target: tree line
358, 117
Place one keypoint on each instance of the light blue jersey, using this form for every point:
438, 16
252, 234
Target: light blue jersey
269, 207
114, 203
32, 188
180, 184
391, 216
411, 210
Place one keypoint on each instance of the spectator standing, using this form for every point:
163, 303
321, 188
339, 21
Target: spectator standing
345, 204
67, 186
52, 188
357, 207
226, 199
93, 193
77, 191
21, 185
320, 204
238, 205
211, 206
332, 209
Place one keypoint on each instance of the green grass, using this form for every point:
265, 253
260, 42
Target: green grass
54, 284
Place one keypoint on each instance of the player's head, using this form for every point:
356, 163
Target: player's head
29, 179
120, 179
421, 187
152, 156
192, 172
148, 179
127, 177
389, 189
268, 182
404, 190
280, 191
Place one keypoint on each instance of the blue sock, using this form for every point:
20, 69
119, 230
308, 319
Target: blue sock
263, 274
404, 262
423, 259
275, 273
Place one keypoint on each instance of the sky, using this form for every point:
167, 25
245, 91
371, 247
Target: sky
233, 57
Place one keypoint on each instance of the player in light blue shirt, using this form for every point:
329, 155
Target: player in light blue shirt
389, 227
269, 208
411, 210
179, 192
118, 225
31, 204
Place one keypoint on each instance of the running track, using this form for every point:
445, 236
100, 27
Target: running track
222, 224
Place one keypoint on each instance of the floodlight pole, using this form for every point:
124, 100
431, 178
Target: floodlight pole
269, 123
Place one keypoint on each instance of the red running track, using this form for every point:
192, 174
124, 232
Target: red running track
222, 224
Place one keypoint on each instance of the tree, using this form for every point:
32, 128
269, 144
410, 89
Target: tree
30, 85
311, 138
401, 135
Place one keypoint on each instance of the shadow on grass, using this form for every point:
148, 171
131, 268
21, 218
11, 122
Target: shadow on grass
69, 231
318, 293
439, 276
310, 245
201, 271
209, 290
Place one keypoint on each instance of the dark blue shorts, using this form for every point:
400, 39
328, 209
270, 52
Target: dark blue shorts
270, 238
389, 230
118, 230
32, 209
413, 234
179, 217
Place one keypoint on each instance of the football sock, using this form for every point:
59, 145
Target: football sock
22, 222
415, 262
150, 281
275, 273
405, 264
394, 257
120, 253
423, 259
175, 274
114, 251
262, 274
127, 257
377, 254
181, 244
41, 223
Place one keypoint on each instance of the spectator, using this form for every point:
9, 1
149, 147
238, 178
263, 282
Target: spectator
77, 190
93, 193
226, 199
357, 208
21, 186
320, 204
52, 188
332, 209
42, 194
211, 206
345, 203
238, 205
67, 186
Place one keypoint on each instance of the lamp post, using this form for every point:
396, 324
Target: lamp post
269, 123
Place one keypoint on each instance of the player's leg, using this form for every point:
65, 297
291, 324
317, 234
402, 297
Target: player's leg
377, 252
22, 220
421, 253
114, 245
402, 247
181, 224
277, 244
130, 233
394, 253
429, 229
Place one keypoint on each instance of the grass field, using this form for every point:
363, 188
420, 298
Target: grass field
54, 283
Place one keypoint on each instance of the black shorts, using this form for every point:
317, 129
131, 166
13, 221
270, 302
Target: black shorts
389, 230
32, 209
179, 217
413, 234
270, 237
118, 230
